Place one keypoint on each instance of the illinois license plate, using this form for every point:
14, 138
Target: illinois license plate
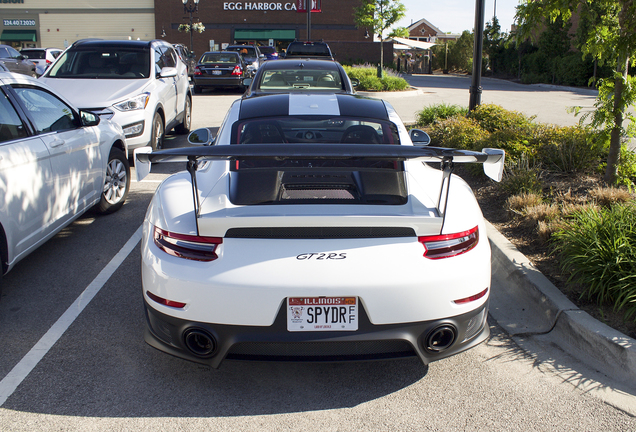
322, 314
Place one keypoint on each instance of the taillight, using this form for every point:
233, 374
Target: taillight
190, 247
48, 62
197, 71
237, 70
471, 298
165, 302
449, 245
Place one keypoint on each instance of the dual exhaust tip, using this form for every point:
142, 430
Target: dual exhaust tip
440, 338
199, 342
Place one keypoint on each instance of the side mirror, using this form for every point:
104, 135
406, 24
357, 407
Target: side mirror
168, 72
89, 118
202, 136
247, 81
355, 82
419, 137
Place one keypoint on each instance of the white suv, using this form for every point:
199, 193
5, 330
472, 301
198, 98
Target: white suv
42, 57
141, 85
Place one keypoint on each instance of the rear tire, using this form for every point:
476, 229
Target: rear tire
184, 126
116, 183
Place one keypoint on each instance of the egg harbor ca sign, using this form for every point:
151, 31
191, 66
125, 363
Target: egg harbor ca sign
247, 6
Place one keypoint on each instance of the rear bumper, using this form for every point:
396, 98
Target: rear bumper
275, 343
203, 81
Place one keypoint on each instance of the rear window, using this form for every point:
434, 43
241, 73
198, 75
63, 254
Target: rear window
226, 58
34, 54
267, 49
298, 79
325, 130
310, 49
103, 62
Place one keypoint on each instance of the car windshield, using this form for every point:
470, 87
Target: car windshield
244, 51
314, 129
227, 58
103, 62
34, 54
298, 79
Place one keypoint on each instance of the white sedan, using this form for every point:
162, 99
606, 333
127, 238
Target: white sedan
313, 229
55, 163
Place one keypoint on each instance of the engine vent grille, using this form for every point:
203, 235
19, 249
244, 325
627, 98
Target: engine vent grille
320, 232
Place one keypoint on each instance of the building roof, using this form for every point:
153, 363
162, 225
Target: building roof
424, 21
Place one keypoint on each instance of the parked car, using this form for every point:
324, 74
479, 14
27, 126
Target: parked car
311, 230
219, 69
287, 75
186, 57
251, 55
309, 50
42, 57
269, 52
16, 62
56, 162
141, 85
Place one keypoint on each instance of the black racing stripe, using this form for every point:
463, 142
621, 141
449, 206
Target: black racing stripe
358, 106
267, 106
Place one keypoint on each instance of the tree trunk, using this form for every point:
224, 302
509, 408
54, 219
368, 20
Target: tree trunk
615, 135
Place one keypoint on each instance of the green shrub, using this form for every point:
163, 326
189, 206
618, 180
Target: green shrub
626, 172
457, 132
492, 118
598, 249
369, 81
430, 114
570, 149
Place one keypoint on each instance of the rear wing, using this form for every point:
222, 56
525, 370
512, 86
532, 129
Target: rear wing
493, 159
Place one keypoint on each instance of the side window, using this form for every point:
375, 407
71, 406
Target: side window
13, 53
159, 60
48, 112
170, 58
4, 53
10, 125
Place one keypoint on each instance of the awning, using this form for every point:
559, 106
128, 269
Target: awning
413, 43
19, 36
265, 34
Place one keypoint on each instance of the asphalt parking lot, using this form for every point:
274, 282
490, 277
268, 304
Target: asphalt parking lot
74, 358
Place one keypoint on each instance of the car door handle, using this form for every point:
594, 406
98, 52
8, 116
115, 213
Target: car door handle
57, 143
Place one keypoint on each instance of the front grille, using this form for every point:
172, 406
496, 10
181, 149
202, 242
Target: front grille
321, 351
320, 232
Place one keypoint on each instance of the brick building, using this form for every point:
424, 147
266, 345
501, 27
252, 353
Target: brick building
275, 23
424, 31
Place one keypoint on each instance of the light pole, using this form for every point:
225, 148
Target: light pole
190, 8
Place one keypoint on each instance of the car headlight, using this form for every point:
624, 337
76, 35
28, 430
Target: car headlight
136, 103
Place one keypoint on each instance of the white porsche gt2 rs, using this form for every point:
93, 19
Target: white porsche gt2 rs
313, 229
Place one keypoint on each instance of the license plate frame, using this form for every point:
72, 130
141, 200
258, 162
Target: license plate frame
315, 314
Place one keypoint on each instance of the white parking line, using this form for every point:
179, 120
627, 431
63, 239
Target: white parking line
14, 378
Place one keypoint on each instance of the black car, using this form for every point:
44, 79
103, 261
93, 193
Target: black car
219, 69
290, 75
251, 54
309, 50
16, 62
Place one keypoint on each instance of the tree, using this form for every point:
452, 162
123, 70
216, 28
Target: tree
608, 37
379, 15
402, 32
492, 41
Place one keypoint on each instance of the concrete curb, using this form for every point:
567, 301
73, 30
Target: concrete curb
525, 303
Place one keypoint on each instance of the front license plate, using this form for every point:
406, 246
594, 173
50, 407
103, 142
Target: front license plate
322, 314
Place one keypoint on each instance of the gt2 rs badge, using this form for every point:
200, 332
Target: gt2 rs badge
322, 256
